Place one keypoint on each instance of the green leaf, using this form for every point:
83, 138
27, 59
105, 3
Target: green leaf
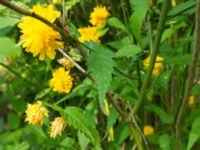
194, 133
100, 65
116, 23
83, 140
76, 118
68, 143
128, 51
13, 121
9, 137
120, 43
166, 118
8, 49
164, 142
182, 7
140, 8
19, 105
111, 120
7, 24
22, 146
179, 59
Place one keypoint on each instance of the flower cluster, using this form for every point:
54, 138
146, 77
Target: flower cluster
37, 37
158, 65
97, 18
99, 15
35, 115
62, 81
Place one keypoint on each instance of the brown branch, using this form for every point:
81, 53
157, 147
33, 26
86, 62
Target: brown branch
34, 15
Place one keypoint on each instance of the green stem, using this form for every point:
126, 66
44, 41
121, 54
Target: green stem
191, 75
134, 132
153, 55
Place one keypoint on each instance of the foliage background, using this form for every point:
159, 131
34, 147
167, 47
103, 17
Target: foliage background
117, 66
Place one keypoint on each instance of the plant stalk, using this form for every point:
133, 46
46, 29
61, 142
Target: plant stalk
191, 75
161, 23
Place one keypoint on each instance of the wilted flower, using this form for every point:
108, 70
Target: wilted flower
66, 63
62, 81
37, 37
57, 127
35, 113
99, 15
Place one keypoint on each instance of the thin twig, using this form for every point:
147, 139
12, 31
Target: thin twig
190, 78
73, 62
134, 132
34, 15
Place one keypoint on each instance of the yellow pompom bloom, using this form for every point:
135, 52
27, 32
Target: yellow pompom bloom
148, 130
35, 113
89, 34
57, 127
158, 64
99, 15
66, 63
57, 1
37, 37
191, 101
62, 81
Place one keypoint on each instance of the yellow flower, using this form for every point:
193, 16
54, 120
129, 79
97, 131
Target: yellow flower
158, 64
191, 101
148, 130
57, 127
99, 15
35, 113
66, 63
37, 37
57, 1
89, 34
62, 81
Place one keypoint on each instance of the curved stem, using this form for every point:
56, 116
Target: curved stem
153, 55
191, 75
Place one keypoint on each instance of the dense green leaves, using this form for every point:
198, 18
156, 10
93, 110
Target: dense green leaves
8, 49
116, 23
76, 118
100, 65
194, 133
128, 51
139, 8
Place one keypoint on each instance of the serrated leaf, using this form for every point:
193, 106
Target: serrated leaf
166, 118
140, 8
128, 51
164, 142
76, 118
116, 23
112, 118
100, 65
194, 133
8, 49
83, 141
